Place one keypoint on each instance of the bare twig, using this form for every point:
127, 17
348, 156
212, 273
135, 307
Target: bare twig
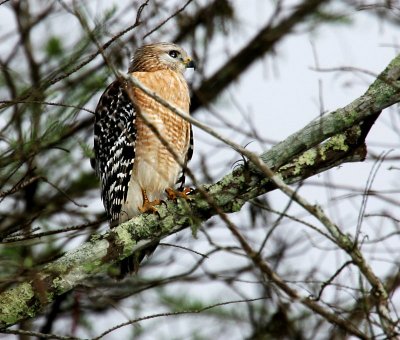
19, 186
162, 23
20, 238
45, 103
38, 334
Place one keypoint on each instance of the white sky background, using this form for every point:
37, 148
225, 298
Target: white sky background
281, 95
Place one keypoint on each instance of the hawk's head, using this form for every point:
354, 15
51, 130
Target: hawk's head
160, 56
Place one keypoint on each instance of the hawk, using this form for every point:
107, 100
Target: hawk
134, 166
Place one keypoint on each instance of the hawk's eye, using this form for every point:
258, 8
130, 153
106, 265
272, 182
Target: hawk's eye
173, 53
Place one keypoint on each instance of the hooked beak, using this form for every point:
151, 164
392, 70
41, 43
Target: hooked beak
189, 63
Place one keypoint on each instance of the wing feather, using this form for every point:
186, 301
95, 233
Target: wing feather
114, 146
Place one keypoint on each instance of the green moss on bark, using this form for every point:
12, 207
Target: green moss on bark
16, 304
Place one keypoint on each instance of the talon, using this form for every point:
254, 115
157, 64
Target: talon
175, 194
171, 194
148, 207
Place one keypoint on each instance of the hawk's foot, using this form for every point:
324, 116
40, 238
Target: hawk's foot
175, 194
149, 207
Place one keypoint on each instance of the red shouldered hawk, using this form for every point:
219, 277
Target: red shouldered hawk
134, 167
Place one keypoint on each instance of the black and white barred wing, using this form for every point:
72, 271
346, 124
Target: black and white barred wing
114, 146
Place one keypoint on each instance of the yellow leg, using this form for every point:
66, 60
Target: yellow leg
148, 207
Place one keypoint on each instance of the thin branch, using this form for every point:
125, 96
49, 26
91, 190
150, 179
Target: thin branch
25, 237
184, 248
365, 195
196, 311
64, 194
330, 280
14, 102
20, 185
38, 334
162, 23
